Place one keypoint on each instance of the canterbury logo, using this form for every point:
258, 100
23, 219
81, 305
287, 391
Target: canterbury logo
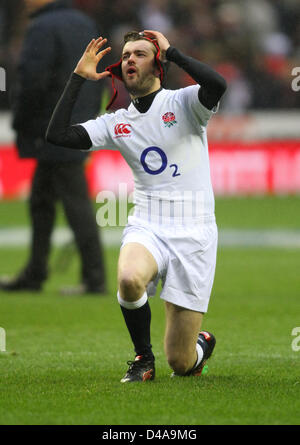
122, 130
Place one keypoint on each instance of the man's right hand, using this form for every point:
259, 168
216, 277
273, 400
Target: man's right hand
87, 65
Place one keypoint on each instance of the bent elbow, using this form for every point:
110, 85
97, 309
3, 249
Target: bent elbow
221, 85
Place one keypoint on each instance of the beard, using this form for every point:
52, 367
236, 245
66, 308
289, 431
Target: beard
141, 85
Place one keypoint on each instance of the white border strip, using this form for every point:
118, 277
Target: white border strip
111, 237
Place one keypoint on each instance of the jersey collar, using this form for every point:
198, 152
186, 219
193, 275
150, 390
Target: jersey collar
142, 104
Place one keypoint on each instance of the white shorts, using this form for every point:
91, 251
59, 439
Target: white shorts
186, 260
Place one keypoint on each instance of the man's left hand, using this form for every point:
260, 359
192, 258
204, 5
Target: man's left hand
162, 41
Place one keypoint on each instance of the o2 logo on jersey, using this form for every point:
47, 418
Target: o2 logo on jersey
164, 162
122, 130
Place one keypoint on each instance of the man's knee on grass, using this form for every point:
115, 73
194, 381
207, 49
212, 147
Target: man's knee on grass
181, 363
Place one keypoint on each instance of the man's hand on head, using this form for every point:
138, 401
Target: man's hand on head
162, 41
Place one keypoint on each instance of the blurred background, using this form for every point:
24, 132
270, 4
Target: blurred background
254, 44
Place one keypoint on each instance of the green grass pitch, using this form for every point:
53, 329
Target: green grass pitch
65, 355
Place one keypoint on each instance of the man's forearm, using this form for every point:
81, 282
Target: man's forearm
59, 131
213, 85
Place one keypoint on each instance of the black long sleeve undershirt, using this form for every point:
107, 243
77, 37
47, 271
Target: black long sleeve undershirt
60, 132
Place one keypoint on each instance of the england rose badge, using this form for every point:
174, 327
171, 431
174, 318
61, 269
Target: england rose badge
169, 119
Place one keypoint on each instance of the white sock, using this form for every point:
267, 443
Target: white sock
131, 305
200, 353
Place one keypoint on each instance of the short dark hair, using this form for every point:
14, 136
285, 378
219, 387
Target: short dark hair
133, 36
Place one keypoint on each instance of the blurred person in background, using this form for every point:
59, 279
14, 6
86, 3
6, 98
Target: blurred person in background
54, 41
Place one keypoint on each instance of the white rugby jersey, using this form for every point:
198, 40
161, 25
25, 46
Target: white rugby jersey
167, 150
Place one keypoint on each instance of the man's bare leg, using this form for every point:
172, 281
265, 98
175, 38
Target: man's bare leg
181, 335
136, 268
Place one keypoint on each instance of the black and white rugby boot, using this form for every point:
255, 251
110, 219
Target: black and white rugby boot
207, 341
140, 370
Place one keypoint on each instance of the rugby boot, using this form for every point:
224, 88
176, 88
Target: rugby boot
21, 283
207, 341
140, 370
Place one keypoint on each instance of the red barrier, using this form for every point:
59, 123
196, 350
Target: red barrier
236, 169
15, 174
268, 167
